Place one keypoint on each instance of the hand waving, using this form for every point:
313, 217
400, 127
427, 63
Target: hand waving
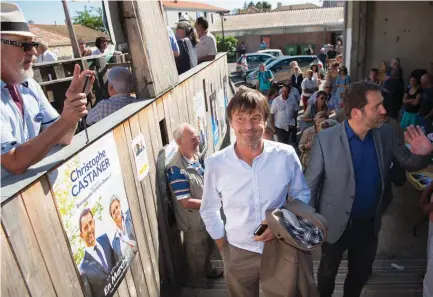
420, 144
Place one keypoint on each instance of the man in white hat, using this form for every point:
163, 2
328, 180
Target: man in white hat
30, 126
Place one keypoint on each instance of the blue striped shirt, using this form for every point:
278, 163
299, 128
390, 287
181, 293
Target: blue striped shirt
179, 182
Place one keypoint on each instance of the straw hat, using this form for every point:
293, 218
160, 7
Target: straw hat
13, 21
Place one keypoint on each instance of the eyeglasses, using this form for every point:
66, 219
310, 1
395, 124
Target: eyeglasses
26, 46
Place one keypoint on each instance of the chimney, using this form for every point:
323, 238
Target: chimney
279, 4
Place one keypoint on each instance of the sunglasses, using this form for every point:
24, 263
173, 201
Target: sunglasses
26, 46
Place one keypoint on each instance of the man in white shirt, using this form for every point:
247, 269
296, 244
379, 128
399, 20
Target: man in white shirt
44, 54
283, 114
248, 178
309, 85
206, 48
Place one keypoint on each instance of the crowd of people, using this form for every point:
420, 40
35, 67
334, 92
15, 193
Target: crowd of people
192, 45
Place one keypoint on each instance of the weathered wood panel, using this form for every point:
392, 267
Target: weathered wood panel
12, 283
26, 248
53, 244
134, 197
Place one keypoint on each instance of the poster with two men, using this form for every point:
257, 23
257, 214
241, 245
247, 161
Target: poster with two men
91, 200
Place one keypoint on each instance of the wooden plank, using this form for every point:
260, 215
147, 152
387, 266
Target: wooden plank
51, 238
123, 148
147, 123
156, 136
167, 116
26, 248
148, 212
160, 109
122, 290
12, 282
130, 283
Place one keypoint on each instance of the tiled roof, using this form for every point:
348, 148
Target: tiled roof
296, 7
57, 35
192, 5
282, 19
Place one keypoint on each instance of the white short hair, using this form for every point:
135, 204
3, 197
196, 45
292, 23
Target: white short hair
178, 132
121, 79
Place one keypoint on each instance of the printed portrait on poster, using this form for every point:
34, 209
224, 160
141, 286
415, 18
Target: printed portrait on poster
222, 112
91, 200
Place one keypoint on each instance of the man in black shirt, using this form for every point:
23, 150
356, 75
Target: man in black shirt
331, 53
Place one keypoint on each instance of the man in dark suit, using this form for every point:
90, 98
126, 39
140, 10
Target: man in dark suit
349, 170
124, 239
99, 258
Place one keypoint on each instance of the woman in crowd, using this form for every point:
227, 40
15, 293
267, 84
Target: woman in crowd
333, 72
84, 51
187, 39
313, 109
412, 102
316, 73
309, 86
340, 85
307, 138
297, 78
264, 79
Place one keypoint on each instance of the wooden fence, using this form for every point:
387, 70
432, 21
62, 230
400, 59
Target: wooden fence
36, 258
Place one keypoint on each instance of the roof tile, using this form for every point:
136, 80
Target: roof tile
192, 5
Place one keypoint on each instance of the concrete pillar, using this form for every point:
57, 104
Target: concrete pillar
355, 38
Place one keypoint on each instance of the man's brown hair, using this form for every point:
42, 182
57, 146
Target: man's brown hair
248, 100
355, 96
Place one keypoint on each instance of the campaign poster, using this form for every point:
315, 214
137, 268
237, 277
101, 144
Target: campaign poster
140, 155
215, 120
200, 120
222, 112
226, 91
91, 200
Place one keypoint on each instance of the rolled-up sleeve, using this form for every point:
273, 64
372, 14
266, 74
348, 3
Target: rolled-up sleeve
211, 205
8, 140
298, 188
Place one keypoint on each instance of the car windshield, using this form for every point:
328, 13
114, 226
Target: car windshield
270, 60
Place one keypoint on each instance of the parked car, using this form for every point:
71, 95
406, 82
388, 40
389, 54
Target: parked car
253, 61
280, 68
273, 52
267, 62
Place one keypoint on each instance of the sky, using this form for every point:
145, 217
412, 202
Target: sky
51, 12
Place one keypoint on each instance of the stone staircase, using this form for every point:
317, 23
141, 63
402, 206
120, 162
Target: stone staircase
384, 281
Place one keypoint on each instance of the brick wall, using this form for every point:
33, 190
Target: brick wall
279, 41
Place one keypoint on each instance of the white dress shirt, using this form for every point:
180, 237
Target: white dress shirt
92, 252
282, 111
207, 46
308, 84
246, 192
46, 57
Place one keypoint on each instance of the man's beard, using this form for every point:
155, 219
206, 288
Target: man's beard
25, 74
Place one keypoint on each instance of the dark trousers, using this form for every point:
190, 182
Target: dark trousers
361, 242
284, 136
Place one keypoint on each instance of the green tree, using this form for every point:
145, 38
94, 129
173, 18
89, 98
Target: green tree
251, 4
228, 44
266, 6
259, 5
90, 18
245, 5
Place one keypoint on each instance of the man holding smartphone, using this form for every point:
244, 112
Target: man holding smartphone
248, 178
30, 126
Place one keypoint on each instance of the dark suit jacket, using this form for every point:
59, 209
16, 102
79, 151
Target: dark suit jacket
129, 231
92, 273
331, 178
297, 84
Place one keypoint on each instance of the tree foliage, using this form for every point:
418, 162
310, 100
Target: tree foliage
91, 18
262, 6
228, 44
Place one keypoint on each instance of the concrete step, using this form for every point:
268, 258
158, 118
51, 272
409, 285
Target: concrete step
384, 281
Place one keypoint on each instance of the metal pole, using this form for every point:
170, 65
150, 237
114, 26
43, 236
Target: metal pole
222, 25
74, 43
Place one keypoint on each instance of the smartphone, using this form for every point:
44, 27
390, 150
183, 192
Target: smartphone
260, 229
86, 82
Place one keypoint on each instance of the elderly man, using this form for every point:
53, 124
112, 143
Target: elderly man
309, 85
327, 88
247, 179
119, 89
44, 54
361, 150
30, 126
186, 178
